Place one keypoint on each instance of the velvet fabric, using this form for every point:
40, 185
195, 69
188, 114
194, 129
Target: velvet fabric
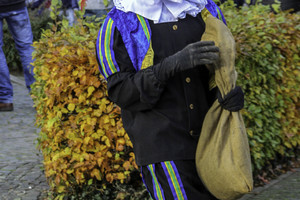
133, 34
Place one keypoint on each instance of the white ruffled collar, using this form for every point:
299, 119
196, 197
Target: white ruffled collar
161, 11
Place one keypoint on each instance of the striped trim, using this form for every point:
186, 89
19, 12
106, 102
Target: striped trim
143, 178
174, 180
157, 189
145, 26
219, 14
104, 48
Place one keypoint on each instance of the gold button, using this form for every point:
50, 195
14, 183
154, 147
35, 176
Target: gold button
175, 27
191, 106
191, 132
188, 79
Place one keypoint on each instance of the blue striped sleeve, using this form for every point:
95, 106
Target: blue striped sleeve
104, 49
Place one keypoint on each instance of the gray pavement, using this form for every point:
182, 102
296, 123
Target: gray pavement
21, 174
285, 187
21, 169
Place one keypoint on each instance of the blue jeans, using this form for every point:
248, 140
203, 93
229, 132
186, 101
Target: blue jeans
19, 26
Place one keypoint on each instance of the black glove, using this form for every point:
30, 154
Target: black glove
233, 101
195, 54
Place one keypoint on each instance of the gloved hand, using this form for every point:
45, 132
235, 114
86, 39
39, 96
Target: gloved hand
193, 55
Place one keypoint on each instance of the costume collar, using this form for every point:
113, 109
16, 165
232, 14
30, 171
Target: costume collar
161, 11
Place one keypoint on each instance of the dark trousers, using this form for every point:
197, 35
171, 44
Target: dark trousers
174, 180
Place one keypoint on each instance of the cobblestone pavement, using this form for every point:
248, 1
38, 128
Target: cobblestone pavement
285, 187
21, 174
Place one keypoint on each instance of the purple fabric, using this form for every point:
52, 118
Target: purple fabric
133, 35
104, 49
213, 9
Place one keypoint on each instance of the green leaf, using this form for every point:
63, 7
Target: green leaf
65, 23
258, 122
268, 47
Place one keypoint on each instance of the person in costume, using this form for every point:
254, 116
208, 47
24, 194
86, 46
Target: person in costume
150, 53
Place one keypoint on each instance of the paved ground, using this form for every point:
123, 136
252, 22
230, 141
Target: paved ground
286, 187
21, 175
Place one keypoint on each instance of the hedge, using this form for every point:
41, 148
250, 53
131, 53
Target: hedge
82, 139
87, 153
268, 65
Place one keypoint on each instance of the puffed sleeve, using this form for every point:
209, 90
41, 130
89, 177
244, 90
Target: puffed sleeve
130, 89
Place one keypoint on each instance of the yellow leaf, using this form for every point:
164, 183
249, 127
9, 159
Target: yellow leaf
106, 119
74, 73
121, 141
82, 98
250, 132
61, 189
112, 122
59, 114
70, 171
97, 113
121, 132
91, 89
79, 52
121, 176
109, 177
56, 156
127, 165
100, 132
109, 154
63, 52
63, 110
71, 107
105, 140
86, 140
96, 173
99, 161
116, 166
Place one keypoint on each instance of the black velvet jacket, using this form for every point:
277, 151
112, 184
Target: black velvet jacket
163, 120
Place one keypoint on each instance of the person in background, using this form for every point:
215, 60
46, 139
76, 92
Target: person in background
151, 54
70, 6
97, 7
16, 15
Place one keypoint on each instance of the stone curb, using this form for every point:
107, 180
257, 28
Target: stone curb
259, 190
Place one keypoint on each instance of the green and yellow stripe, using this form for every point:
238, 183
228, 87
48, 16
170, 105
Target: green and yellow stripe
158, 193
105, 52
145, 27
174, 180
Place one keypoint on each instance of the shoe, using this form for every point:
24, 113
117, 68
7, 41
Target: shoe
6, 107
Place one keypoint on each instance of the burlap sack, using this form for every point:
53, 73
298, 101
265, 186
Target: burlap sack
223, 156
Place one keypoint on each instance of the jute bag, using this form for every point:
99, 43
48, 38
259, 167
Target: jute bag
222, 156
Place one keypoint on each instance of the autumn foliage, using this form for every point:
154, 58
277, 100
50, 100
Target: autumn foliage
82, 138
268, 65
